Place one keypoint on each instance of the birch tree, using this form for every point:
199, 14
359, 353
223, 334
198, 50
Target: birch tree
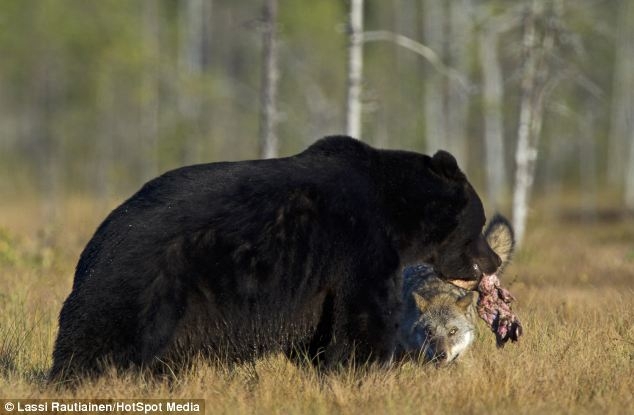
588, 171
439, 71
43, 144
492, 101
629, 175
623, 95
492, 96
268, 97
105, 135
150, 90
621, 144
435, 110
460, 34
355, 69
192, 24
537, 46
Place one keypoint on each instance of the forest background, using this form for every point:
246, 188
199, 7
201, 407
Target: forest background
98, 97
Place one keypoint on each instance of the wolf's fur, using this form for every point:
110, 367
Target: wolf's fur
499, 234
438, 321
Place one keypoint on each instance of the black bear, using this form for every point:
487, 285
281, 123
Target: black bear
234, 260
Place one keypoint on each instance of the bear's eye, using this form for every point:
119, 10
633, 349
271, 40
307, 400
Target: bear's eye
453, 331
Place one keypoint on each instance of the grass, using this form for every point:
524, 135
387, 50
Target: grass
575, 287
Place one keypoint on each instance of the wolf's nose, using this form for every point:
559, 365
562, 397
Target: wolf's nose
442, 356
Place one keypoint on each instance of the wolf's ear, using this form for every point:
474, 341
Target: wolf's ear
420, 301
465, 301
444, 164
500, 237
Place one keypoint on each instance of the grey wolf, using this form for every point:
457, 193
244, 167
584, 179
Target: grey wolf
439, 317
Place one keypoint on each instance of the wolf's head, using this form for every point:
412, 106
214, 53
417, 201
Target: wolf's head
445, 328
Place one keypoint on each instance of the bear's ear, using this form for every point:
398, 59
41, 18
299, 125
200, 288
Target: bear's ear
443, 163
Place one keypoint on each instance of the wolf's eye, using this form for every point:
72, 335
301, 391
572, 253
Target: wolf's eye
453, 331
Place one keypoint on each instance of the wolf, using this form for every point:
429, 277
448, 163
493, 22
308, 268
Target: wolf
438, 322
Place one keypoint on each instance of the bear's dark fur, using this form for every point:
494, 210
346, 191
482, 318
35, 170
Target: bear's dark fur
234, 260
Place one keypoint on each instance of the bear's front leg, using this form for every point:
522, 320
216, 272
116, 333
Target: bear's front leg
366, 320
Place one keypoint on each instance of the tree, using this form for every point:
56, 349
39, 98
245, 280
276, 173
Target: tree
457, 107
537, 44
492, 96
104, 147
150, 90
629, 176
623, 95
492, 101
588, 171
355, 69
435, 110
193, 33
268, 98
621, 144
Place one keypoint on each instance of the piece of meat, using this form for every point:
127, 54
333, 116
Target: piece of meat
494, 307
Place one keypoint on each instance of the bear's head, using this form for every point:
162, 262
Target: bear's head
464, 252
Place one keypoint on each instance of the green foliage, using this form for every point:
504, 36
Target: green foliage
75, 97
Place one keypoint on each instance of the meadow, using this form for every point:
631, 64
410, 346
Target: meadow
573, 278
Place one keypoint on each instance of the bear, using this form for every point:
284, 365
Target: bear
235, 260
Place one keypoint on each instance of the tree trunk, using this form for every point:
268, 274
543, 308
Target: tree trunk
191, 56
621, 144
588, 160
435, 111
533, 87
622, 96
150, 91
268, 98
629, 173
355, 69
45, 146
105, 136
460, 35
492, 85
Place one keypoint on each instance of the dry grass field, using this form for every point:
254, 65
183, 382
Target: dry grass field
574, 281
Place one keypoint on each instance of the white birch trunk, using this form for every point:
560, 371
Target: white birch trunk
268, 98
492, 84
43, 144
355, 69
623, 95
192, 32
435, 114
621, 149
526, 154
150, 91
629, 173
105, 136
460, 35
588, 160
